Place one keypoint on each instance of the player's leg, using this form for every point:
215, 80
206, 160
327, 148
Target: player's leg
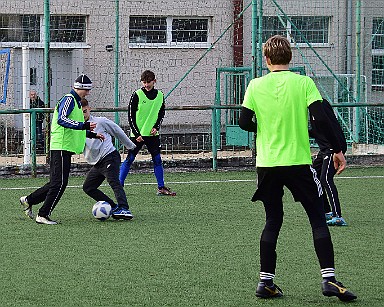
110, 169
60, 165
91, 185
270, 192
327, 181
126, 165
317, 164
154, 147
305, 187
34, 198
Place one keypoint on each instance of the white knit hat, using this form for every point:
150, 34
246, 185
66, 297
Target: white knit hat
82, 82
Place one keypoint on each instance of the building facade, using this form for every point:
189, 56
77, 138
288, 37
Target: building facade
185, 43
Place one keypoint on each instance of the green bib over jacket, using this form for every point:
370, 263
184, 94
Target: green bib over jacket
147, 112
68, 139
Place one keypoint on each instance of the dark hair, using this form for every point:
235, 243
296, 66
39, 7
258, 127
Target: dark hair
278, 49
147, 76
84, 102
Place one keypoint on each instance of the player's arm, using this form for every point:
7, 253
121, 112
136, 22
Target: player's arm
66, 106
132, 110
246, 120
115, 130
324, 125
160, 116
93, 135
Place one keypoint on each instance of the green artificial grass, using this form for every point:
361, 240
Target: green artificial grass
199, 248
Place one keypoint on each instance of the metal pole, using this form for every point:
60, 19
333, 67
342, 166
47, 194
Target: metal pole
117, 62
26, 105
349, 38
117, 69
214, 136
253, 32
260, 40
358, 67
47, 67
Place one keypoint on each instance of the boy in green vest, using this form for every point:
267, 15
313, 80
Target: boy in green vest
68, 133
146, 111
280, 101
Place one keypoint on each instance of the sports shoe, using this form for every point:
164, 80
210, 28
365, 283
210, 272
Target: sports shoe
328, 216
27, 208
337, 221
45, 220
122, 214
264, 291
165, 191
337, 289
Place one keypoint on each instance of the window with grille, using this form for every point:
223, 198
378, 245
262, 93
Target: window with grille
299, 29
171, 31
67, 29
19, 28
28, 28
378, 54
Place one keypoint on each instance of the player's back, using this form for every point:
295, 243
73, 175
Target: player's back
280, 101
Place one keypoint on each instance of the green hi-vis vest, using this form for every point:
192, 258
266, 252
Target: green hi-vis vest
64, 138
147, 112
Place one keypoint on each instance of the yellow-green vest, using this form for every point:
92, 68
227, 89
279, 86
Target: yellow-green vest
147, 112
65, 138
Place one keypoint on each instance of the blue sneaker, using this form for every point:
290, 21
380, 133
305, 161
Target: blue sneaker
328, 216
122, 214
337, 221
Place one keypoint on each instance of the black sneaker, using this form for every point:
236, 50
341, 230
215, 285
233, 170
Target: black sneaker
337, 289
265, 291
122, 214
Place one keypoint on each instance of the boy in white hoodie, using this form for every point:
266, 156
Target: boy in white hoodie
106, 163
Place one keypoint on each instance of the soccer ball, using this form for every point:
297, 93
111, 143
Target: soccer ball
101, 210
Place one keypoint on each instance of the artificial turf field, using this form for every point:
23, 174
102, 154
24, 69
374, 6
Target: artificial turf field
199, 248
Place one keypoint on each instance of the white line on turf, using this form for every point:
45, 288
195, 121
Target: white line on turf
189, 182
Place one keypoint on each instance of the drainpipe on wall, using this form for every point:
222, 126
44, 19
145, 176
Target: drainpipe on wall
349, 37
238, 41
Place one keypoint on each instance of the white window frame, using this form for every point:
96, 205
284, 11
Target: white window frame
377, 53
40, 44
169, 43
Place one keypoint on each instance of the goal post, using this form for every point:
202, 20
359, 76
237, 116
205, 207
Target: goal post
5, 58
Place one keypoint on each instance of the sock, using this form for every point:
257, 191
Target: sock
159, 171
125, 167
267, 278
328, 274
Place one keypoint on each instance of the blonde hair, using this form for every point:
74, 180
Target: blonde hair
278, 49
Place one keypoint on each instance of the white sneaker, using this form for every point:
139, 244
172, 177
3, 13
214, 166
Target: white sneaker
27, 208
45, 220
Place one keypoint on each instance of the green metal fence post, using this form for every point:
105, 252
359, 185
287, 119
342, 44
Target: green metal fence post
259, 53
47, 67
214, 136
358, 68
117, 18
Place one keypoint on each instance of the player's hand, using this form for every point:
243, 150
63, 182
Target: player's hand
92, 126
339, 162
153, 131
139, 139
100, 136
